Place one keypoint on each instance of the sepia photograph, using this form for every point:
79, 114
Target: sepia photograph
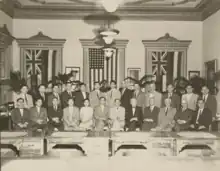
110, 85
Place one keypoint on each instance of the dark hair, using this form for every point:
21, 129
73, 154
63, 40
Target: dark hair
82, 84
54, 85
205, 85
170, 84
23, 85
54, 97
71, 99
102, 98
189, 85
37, 99
20, 99
41, 85
200, 99
86, 100
96, 82
113, 81
68, 82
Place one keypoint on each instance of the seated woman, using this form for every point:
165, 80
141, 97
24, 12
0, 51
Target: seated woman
86, 116
183, 117
71, 116
150, 116
166, 117
38, 116
55, 115
117, 116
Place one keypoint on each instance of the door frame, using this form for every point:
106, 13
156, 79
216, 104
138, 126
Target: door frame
41, 42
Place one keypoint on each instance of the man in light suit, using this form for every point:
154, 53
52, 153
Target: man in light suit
113, 94
20, 116
134, 117
139, 95
101, 115
38, 116
175, 99
153, 93
190, 97
166, 117
117, 116
55, 93
95, 95
28, 100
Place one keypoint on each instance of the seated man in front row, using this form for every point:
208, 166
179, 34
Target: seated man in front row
134, 117
20, 116
101, 115
117, 116
202, 118
55, 115
38, 116
166, 117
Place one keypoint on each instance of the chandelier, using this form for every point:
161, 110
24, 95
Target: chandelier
111, 5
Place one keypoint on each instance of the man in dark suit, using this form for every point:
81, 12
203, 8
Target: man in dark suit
55, 116
210, 101
126, 95
20, 116
42, 94
81, 95
55, 93
202, 120
66, 95
38, 116
134, 117
150, 117
175, 99
183, 117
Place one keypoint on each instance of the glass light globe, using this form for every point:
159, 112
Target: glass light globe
110, 5
108, 40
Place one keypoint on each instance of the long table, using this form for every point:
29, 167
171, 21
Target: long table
106, 143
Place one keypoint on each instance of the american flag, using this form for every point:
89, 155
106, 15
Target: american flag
100, 68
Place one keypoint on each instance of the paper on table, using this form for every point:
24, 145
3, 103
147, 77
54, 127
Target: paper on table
12, 134
69, 134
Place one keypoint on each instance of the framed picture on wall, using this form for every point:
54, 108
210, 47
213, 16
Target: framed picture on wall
210, 70
134, 73
192, 74
75, 70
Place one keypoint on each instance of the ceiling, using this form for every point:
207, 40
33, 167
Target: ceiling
187, 10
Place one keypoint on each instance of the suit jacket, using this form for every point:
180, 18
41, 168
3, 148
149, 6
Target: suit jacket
218, 102
192, 102
157, 98
17, 118
28, 102
211, 104
44, 99
101, 117
166, 121
52, 113
175, 100
132, 125
71, 120
111, 96
34, 115
185, 115
94, 98
50, 99
126, 96
140, 96
148, 114
65, 97
79, 99
117, 115
205, 118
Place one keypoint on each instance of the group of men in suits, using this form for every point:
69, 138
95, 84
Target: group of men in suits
119, 109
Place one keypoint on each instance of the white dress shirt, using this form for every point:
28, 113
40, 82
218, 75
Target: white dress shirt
198, 115
22, 112
133, 110
84, 95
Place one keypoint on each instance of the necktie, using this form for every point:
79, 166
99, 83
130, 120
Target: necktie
151, 108
70, 94
204, 98
111, 94
199, 113
97, 92
55, 108
166, 111
26, 100
169, 95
